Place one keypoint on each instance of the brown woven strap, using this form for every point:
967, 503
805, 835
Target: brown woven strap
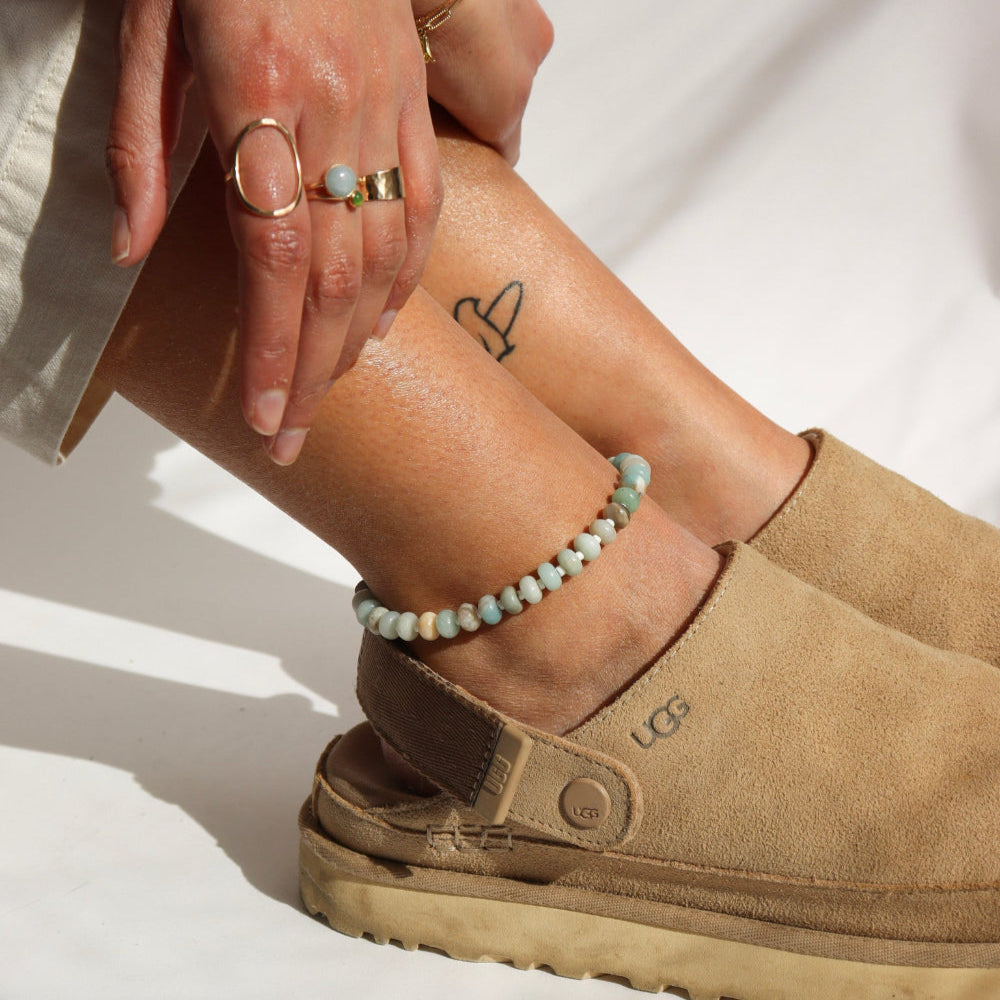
490, 763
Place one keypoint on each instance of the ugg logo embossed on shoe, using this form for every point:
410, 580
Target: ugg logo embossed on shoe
497, 775
663, 722
585, 803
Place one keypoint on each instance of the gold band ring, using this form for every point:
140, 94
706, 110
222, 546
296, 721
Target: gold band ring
235, 176
340, 183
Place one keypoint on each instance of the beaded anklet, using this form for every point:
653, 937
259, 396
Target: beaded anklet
586, 547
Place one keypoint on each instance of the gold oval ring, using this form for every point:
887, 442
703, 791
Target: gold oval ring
234, 174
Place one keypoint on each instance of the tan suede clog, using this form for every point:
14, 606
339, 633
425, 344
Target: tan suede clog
792, 803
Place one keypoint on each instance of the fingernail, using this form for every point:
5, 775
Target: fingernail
268, 411
286, 446
384, 322
121, 236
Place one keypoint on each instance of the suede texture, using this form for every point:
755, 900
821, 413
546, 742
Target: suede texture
890, 549
439, 728
798, 764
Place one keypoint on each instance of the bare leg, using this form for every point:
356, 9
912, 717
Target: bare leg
593, 354
431, 468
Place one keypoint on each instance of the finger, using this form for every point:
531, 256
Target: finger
252, 85
332, 292
274, 257
145, 122
385, 249
418, 160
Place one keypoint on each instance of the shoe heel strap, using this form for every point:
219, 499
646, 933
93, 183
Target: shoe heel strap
495, 766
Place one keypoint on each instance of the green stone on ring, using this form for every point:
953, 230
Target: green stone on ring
356, 198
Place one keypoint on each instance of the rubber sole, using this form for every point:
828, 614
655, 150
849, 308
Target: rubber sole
585, 945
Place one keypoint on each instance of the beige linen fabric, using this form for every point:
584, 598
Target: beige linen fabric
60, 295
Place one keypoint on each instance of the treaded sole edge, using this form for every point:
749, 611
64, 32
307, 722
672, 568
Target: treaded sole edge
585, 945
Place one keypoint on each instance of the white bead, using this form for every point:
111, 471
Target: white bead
529, 590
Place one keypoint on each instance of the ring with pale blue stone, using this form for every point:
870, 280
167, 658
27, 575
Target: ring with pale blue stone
634, 478
341, 183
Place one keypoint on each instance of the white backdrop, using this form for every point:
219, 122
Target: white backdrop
804, 190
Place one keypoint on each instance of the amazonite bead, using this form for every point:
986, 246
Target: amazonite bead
604, 529
387, 625
407, 626
340, 180
364, 609
549, 576
530, 591
509, 601
427, 625
361, 595
627, 497
617, 514
570, 562
619, 458
375, 617
468, 617
587, 545
636, 462
489, 610
447, 624
635, 478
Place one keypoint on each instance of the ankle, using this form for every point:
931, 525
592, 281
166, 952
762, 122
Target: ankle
557, 664
727, 485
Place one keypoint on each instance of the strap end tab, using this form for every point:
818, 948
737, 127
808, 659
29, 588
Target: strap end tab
503, 774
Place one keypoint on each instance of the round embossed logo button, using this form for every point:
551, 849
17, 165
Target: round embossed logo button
585, 804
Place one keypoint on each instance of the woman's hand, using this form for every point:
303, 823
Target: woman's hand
346, 78
485, 59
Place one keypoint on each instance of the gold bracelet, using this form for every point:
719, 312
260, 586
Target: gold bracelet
427, 23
